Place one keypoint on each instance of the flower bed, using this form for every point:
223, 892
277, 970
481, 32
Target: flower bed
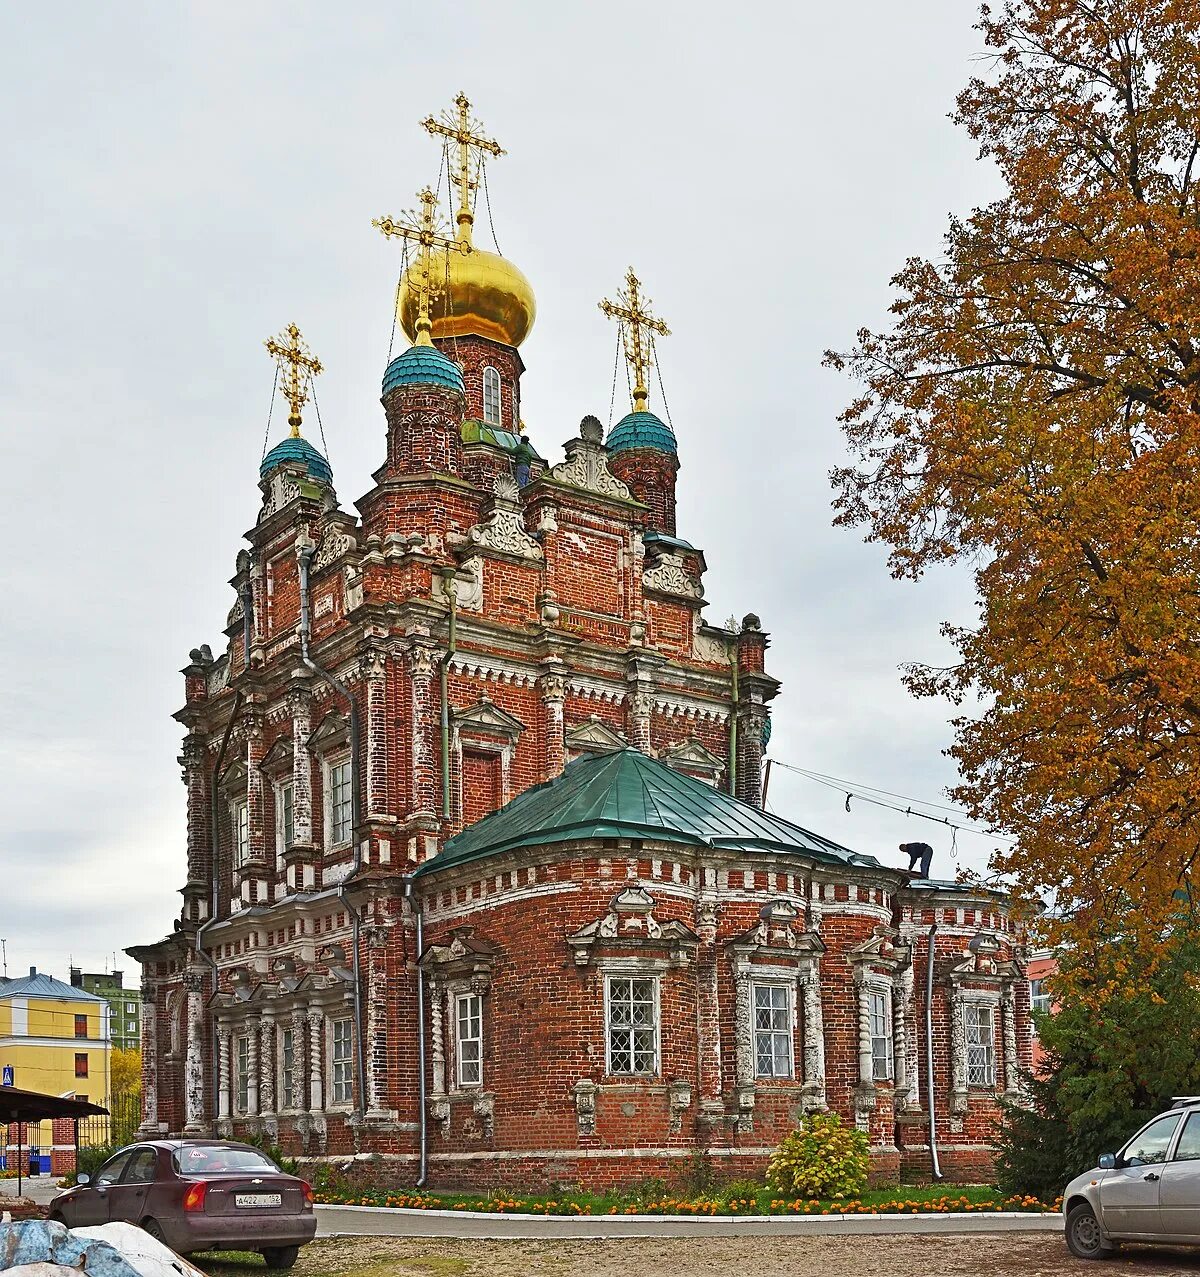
901, 1202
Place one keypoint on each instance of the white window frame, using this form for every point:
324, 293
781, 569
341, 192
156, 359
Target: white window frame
1039, 999
788, 1033
240, 817
341, 1061
492, 383
285, 796
882, 1032
468, 1073
287, 1066
985, 1076
332, 765
653, 980
241, 1073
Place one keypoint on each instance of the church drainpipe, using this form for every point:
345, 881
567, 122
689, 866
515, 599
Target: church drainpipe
451, 648
423, 1120
304, 555
214, 830
933, 1153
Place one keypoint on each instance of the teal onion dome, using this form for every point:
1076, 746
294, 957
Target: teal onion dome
423, 366
294, 448
642, 430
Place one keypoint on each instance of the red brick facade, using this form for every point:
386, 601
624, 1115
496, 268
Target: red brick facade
489, 634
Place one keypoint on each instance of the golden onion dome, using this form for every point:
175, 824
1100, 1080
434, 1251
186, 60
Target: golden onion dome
487, 297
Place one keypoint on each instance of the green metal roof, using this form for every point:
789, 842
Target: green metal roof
627, 794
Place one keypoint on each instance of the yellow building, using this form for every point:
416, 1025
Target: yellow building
54, 1039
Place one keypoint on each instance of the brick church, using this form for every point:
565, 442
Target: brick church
479, 879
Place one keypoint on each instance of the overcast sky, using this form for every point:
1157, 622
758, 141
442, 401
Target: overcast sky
182, 180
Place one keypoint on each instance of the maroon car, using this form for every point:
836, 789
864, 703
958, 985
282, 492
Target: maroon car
197, 1195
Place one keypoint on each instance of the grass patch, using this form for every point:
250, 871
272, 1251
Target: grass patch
655, 1199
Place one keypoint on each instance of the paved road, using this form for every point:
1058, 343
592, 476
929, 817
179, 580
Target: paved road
41, 1188
369, 1221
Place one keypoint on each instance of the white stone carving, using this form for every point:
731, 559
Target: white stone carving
336, 542
586, 468
492, 669
503, 528
667, 576
708, 647
468, 586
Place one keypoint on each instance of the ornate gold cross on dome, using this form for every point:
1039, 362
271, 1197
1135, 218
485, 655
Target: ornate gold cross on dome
292, 355
631, 308
462, 130
422, 230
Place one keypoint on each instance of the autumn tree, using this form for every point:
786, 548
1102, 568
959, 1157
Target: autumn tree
1034, 412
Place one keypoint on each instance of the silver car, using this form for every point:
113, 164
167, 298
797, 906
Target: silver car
1148, 1192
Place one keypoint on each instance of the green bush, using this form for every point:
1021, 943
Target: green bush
740, 1190
821, 1158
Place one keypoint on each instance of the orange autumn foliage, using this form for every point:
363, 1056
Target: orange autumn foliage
1034, 412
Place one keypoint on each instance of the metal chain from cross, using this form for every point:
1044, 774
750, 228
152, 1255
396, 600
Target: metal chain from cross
465, 133
632, 310
422, 230
291, 355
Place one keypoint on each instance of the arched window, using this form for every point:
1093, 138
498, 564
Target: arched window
491, 397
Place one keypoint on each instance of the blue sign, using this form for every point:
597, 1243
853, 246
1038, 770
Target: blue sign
7, 1079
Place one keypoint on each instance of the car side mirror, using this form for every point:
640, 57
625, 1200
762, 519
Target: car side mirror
1108, 1162
85, 1178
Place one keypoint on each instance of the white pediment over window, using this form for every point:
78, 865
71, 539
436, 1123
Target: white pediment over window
277, 761
332, 732
693, 759
486, 718
594, 736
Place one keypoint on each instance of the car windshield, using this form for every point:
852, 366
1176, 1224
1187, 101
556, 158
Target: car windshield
214, 1159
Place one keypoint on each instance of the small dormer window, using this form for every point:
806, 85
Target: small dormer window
491, 397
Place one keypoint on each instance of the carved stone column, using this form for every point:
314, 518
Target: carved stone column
814, 1038
266, 1065
864, 1092
252, 1070
905, 1030
1012, 1071
194, 761
255, 784
374, 671
302, 808
316, 1080
193, 1065
425, 764
377, 1007
299, 1098
149, 1126
223, 1093
711, 1109
641, 707
958, 1052
437, 1038
554, 690
743, 1028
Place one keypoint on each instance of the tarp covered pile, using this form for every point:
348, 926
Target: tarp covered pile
42, 1248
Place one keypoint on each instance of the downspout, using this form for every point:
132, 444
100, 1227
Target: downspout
247, 596
423, 1119
935, 1168
451, 589
304, 555
733, 662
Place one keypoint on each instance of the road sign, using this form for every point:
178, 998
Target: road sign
7, 1079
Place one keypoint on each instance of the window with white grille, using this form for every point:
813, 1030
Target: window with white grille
287, 1064
879, 1014
241, 1073
1039, 997
981, 1045
491, 397
468, 1038
632, 1016
340, 804
241, 834
772, 1030
340, 1061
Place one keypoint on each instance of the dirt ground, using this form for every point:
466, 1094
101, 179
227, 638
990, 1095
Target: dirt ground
999, 1255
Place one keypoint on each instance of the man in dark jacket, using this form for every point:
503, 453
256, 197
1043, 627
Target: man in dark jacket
919, 854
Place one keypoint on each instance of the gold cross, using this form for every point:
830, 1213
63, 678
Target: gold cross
291, 356
461, 130
422, 230
632, 309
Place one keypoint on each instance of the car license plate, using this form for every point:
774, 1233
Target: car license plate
257, 1199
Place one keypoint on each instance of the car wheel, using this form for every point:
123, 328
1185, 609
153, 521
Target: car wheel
281, 1256
154, 1228
1084, 1239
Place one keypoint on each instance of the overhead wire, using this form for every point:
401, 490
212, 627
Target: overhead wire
270, 413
